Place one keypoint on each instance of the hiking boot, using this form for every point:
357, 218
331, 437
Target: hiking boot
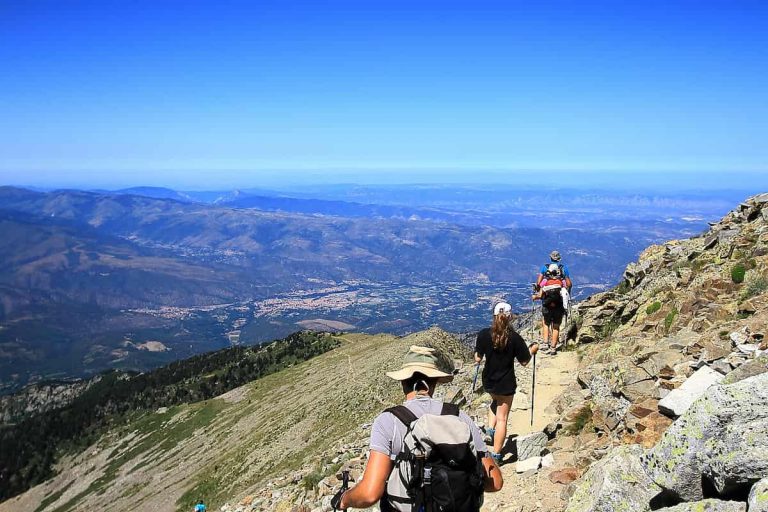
496, 456
491, 432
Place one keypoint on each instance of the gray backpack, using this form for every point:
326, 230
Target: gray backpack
438, 468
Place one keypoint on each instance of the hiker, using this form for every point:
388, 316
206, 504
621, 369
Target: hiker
554, 257
394, 470
200, 507
553, 286
500, 345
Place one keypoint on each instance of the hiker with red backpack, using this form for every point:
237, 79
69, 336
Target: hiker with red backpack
424, 454
553, 286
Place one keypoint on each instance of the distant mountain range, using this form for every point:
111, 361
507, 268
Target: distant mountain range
143, 276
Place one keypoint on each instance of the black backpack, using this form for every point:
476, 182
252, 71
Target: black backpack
552, 299
438, 468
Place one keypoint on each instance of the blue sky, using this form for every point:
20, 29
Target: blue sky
197, 94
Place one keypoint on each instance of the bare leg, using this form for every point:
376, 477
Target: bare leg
545, 331
492, 415
502, 413
555, 335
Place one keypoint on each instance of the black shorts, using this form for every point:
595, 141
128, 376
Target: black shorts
554, 316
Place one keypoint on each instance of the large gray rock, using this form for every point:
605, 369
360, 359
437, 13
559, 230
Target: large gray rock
721, 438
530, 445
749, 369
758, 497
679, 400
619, 481
529, 464
708, 506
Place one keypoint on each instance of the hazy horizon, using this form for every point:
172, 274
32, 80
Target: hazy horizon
646, 182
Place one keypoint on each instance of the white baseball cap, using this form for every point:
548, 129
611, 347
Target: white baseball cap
502, 307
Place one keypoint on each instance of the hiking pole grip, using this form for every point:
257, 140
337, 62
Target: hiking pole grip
336, 500
345, 479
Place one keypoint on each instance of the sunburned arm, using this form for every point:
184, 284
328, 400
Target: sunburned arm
371, 488
493, 479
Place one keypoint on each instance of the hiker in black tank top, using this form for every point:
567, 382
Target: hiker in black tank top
500, 345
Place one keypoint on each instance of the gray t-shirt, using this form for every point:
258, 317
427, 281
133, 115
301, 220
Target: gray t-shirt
387, 432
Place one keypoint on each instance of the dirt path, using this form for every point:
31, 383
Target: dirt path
533, 492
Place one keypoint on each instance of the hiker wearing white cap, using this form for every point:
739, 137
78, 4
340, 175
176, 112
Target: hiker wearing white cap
553, 286
401, 477
556, 259
500, 345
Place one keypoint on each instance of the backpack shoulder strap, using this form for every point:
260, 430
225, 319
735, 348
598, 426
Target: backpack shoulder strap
449, 409
402, 413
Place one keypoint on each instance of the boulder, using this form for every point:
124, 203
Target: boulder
679, 400
529, 464
748, 369
530, 445
718, 443
710, 505
758, 497
564, 476
661, 364
619, 481
646, 430
455, 396
608, 411
641, 390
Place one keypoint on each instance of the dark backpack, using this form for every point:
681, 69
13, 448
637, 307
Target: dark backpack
552, 298
438, 468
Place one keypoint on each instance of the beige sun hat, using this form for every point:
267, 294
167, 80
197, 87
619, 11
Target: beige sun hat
420, 360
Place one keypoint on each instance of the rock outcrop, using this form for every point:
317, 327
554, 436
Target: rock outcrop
718, 445
618, 482
673, 361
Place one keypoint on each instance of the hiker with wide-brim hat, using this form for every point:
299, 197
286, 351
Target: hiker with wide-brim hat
501, 345
418, 376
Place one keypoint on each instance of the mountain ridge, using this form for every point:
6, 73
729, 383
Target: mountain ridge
197, 277
632, 353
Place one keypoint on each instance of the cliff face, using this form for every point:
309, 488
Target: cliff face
39, 398
673, 362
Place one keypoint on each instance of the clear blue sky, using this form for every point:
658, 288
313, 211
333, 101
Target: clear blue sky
203, 93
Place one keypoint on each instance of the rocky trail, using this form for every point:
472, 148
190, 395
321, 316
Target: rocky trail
526, 488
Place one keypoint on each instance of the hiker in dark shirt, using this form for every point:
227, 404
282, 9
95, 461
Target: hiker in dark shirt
500, 345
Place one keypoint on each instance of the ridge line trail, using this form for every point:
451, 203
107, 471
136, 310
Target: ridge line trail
532, 492
553, 375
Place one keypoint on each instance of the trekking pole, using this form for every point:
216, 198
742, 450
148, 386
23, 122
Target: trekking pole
474, 381
344, 488
533, 387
